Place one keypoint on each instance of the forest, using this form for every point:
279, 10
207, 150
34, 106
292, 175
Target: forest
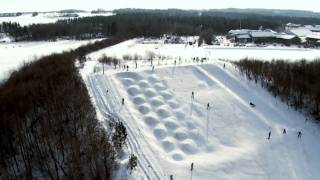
150, 23
296, 83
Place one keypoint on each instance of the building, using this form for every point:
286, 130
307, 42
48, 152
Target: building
287, 39
290, 26
243, 38
263, 36
248, 36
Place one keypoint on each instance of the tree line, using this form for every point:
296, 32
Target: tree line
296, 83
48, 126
150, 23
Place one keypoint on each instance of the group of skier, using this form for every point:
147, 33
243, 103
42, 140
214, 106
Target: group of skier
299, 134
192, 98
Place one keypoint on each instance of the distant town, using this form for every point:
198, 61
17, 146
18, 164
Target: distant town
293, 34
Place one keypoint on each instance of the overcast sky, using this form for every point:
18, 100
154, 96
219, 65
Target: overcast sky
45, 5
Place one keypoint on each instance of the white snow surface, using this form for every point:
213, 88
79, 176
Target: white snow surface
43, 18
12, 55
174, 51
168, 130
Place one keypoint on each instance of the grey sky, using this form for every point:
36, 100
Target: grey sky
45, 5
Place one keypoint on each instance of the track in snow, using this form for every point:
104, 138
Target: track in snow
109, 104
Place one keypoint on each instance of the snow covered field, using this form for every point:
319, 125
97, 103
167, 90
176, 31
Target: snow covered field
42, 18
12, 55
168, 130
173, 51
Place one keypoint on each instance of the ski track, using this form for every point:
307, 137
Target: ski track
107, 105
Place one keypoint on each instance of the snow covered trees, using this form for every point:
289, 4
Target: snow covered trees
206, 36
133, 162
120, 135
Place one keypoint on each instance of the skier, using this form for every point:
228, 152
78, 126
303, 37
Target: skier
208, 106
252, 105
136, 65
191, 167
122, 102
175, 62
127, 67
284, 131
224, 65
152, 68
269, 135
192, 95
299, 134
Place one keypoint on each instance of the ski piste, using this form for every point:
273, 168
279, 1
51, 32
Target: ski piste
166, 136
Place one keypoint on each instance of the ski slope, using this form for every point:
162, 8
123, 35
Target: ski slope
168, 130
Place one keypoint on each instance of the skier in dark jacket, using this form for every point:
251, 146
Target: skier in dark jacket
284, 131
299, 134
269, 135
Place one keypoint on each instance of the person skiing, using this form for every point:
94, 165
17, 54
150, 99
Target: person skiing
224, 65
122, 101
252, 105
191, 167
175, 62
299, 134
127, 67
269, 135
284, 131
152, 68
208, 106
192, 95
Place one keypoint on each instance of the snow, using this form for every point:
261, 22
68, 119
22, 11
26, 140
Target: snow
301, 32
285, 36
167, 130
12, 55
4, 38
257, 34
27, 19
174, 51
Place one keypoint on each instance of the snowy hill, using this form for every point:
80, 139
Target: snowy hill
47, 17
168, 129
12, 55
